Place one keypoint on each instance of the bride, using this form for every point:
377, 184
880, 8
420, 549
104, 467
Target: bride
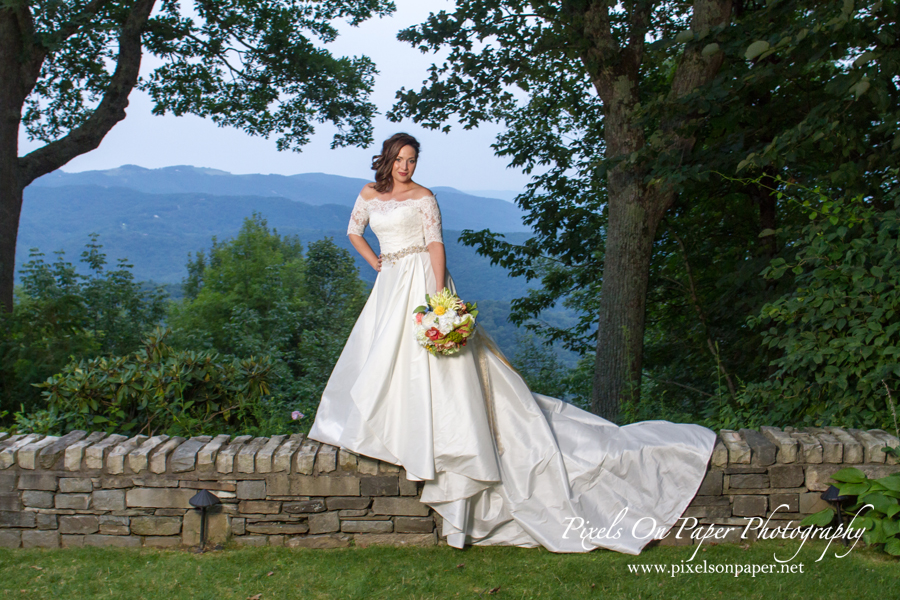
501, 464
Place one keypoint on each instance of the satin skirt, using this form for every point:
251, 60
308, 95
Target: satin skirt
501, 464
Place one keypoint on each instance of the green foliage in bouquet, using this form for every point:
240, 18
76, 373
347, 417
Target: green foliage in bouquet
157, 390
455, 337
472, 309
881, 520
837, 333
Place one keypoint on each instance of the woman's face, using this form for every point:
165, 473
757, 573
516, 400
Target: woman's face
404, 165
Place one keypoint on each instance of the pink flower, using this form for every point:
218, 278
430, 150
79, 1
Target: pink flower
419, 317
434, 334
297, 415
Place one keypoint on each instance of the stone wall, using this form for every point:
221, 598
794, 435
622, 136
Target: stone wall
773, 478
110, 490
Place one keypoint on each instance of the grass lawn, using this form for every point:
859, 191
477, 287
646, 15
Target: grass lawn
443, 572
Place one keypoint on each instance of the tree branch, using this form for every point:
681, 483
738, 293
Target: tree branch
110, 111
693, 71
687, 387
72, 26
696, 69
598, 48
640, 22
35, 53
32, 56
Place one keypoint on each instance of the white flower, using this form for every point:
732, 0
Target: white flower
445, 326
429, 320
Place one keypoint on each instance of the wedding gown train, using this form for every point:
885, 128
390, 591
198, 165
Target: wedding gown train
501, 464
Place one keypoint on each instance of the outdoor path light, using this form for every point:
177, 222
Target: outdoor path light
203, 500
833, 496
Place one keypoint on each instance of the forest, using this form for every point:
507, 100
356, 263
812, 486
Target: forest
714, 195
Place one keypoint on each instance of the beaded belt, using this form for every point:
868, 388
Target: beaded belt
392, 257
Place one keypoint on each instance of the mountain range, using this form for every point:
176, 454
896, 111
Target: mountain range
459, 209
155, 217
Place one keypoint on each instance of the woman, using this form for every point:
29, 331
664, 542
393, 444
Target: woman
501, 464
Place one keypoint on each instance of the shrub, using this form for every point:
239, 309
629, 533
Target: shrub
838, 331
156, 390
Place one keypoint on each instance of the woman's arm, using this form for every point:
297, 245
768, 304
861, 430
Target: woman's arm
434, 240
365, 250
438, 264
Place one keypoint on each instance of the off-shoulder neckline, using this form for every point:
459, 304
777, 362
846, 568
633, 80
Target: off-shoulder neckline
395, 200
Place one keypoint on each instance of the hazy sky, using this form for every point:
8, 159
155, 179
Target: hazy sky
460, 159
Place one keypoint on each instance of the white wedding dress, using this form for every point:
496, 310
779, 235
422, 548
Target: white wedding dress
501, 464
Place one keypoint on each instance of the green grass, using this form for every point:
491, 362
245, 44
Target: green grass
440, 572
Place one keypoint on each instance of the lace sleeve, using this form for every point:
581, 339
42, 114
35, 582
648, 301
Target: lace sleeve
359, 218
431, 220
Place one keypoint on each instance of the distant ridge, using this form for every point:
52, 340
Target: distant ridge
155, 217
459, 209
508, 195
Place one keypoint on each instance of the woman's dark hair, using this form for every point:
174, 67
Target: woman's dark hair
383, 164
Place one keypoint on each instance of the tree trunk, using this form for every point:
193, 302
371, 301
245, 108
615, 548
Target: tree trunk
623, 301
634, 209
10, 210
11, 98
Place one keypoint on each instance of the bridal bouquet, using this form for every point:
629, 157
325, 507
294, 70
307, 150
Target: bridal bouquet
444, 323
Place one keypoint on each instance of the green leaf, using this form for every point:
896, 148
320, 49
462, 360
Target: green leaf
766, 233
853, 489
756, 48
420, 309
849, 475
863, 59
891, 482
684, 36
875, 535
880, 502
892, 546
710, 49
820, 519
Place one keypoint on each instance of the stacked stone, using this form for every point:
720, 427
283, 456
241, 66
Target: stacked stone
96, 489
773, 478
110, 490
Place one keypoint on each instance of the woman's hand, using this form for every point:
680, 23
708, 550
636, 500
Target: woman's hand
377, 266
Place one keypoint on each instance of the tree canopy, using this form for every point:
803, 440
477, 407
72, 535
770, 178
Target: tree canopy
656, 132
67, 69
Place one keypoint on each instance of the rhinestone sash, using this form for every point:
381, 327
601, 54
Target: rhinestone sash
392, 257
